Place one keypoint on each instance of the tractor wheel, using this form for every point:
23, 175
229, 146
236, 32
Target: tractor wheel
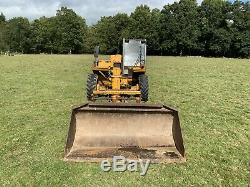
91, 85
143, 83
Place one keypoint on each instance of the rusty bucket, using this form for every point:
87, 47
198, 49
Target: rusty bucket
135, 131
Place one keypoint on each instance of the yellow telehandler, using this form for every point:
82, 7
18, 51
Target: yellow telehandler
135, 130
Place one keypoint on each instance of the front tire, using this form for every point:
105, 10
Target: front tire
91, 86
143, 84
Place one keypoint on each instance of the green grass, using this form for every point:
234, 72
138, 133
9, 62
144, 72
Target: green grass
212, 95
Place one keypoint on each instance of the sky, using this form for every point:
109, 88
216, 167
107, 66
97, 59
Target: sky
91, 10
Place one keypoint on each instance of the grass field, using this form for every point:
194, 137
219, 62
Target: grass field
212, 95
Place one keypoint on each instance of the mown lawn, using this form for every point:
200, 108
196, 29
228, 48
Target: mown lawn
212, 95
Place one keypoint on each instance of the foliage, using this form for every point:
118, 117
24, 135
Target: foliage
215, 31
70, 31
3, 34
180, 28
214, 28
2, 17
64, 33
240, 29
109, 32
18, 35
43, 35
144, 23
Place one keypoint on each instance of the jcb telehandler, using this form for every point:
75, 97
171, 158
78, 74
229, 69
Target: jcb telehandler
120, 79
117, 127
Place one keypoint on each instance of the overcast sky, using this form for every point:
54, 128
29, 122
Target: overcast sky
91, 10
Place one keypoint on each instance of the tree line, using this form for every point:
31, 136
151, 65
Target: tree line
213, 28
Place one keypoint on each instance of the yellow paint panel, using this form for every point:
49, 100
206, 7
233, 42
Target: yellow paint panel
105, 64
116, 58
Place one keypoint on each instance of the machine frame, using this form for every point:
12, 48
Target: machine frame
120, 78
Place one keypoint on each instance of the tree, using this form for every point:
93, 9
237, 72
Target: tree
64, 33
3, 33
216, 35
2, 17
240, 28
121, 22
109, 32
180, 30
42, 35
18, 30
214, 28
105, 35
144, 24
69, 31
155, 35
91, 40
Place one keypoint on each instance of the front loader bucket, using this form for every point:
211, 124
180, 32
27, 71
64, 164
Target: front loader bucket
135, 131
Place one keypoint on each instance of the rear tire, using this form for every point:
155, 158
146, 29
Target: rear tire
143, 83
91, 85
